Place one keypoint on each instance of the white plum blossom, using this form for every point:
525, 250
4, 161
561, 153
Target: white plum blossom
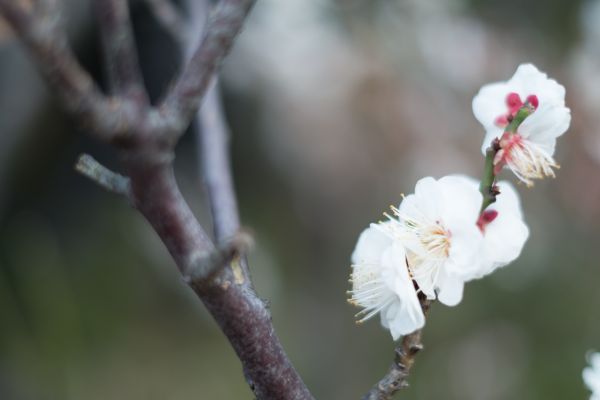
529, 151
381, 283
438, 238
438, 226
591, 376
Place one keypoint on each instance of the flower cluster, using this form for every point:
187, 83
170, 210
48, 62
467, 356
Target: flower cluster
455, 229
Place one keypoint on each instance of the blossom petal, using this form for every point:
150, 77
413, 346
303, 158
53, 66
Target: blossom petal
450, 289
427, 195
545, 125
405, 315
506, 235
490, 103
461, 200
529, 80
370, 246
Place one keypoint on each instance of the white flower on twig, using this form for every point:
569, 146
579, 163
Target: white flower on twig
381, 283
528, 151
438, 226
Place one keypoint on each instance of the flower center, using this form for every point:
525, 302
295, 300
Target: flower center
436, 240
526, 159
514, 104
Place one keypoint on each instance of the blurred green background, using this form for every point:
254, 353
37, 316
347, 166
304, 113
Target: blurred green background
336, 107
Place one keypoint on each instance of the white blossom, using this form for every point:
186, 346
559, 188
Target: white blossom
381, 283
529, 151
591, 376
438, 226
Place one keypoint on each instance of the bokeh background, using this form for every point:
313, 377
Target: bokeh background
336, 107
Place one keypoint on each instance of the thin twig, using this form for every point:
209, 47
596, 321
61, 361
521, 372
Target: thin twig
397, 376
109, 180
213, 140
120, 53
184, 99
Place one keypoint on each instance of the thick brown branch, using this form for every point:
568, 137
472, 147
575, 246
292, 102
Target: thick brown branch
397, 376
120, 52
184, 99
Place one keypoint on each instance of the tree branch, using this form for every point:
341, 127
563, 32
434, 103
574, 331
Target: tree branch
241, 315
213, 141
47, 43
109, 180
184, 99
397, 376
217, 275
120, 52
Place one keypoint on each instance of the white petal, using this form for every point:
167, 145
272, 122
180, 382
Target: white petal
450, 289
529, 80
461, 200
594, 360
591, 377
427, 196
405, 315
370, 246
545, 125
490, 103
465, 257
403, 319
506, 235
504, 241
508, 200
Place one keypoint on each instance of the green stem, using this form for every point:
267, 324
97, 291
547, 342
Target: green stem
488, 181
489, 178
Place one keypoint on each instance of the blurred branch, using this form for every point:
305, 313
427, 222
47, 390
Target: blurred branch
397, 376
120, 53
184, 99
147, 137
213, 142
109, 180
45, 39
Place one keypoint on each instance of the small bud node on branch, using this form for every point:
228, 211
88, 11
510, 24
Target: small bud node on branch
109, 180
206, 265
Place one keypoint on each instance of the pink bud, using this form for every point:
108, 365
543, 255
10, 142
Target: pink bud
533, 100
